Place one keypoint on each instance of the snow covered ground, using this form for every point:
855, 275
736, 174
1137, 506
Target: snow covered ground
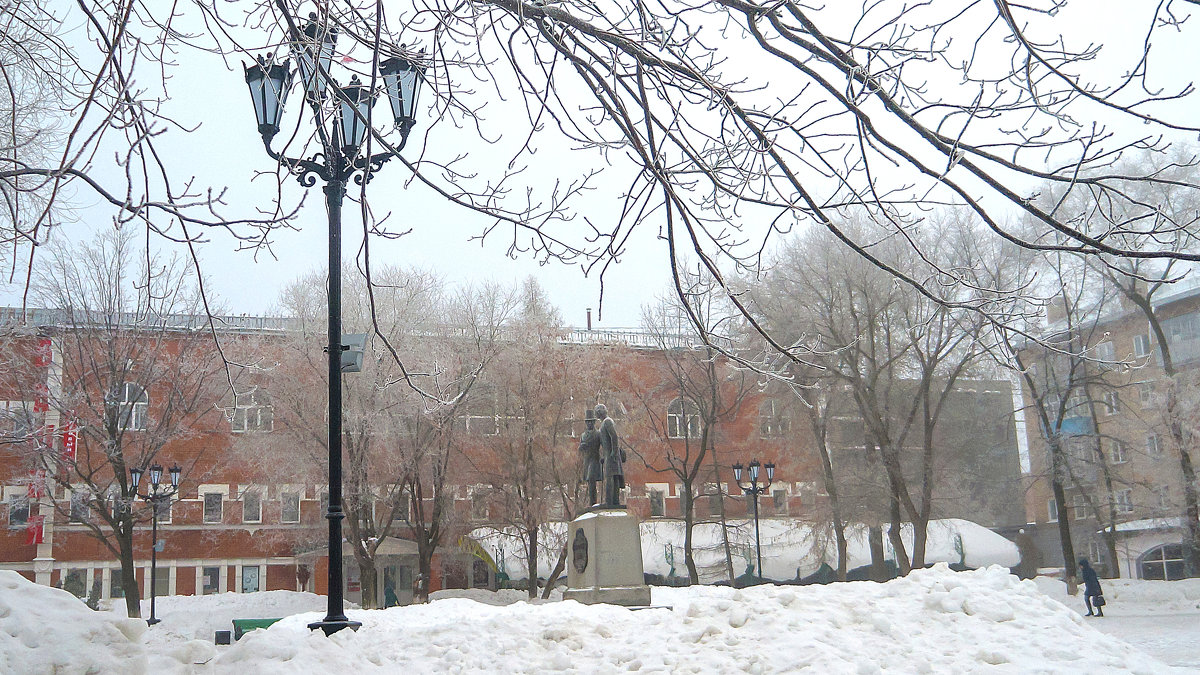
1162, 618
933, 621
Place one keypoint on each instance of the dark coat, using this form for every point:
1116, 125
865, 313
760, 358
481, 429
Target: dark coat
589, 447
611, 453
1091, 583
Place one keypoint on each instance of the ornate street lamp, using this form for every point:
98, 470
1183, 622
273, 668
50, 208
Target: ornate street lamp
754, 490
157, 495
340, 158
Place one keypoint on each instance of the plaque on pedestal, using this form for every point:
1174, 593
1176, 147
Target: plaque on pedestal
605, 562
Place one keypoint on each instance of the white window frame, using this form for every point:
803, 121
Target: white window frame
1141, 345
208, 489
15, 494
22, 418
785, 488
1106, 351
133, 411
772, 422
1145, 393
1051, 511
665, 490
478, 494
1123, 500
1079, 507
285, 490
243, 490
1112, 402
682, 420
1118, 451
1154, 446
251, 415
77, 492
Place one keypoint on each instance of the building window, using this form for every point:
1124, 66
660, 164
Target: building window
1111, 402
1079, 509
1141, 345
16, 421
251, 506
1123, 499
1162, 494
212, 507
1164, 563
289, 509
1145, 393
1052, 510
683, 419
210, 581
115, 588
479, 506
1154, 446
779, 500
162, 581
18, 511
76, 582
1118, 452
79, 506
130, 404
482, 418
1106, 352
163, 509
772, 422
253, 411
250, 578
658, 503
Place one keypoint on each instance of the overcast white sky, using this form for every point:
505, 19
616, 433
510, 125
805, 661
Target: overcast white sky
225, 150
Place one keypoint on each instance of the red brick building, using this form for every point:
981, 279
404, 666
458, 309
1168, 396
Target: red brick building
235, 526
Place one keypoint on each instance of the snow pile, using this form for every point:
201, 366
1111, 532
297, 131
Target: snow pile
199, 617
931, 621
790, 548
502, 597
47, 630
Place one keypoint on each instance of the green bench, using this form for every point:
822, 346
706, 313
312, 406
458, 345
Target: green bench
243, 626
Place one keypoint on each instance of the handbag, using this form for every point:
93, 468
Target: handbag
1098, 601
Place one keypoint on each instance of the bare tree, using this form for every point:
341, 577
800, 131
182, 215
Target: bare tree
703, 393
131, 371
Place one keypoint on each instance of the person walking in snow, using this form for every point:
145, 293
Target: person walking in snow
1091, 588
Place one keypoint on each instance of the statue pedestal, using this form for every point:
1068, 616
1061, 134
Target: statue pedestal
605, 560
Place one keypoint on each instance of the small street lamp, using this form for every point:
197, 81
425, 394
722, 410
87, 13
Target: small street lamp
340, 115
157, 495
754, 490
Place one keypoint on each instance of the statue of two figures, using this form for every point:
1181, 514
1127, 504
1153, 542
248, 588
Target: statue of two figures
603, 458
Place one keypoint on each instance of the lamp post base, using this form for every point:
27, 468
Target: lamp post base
332, 624
152, 620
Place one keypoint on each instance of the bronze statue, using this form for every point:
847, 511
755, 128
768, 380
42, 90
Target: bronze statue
589, 447
612, 456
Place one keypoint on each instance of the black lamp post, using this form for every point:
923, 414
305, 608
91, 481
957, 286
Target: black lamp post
754, 490
157, 495
346, 109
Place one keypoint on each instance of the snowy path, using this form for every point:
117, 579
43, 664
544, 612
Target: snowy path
1172, 638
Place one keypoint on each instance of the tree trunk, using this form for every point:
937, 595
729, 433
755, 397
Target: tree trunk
720, 497
424, 573
133, 604
531, 560
1064, 524
368, 579
1187, 471
689, 518
559, 566
920, 537
875, 541
894, 529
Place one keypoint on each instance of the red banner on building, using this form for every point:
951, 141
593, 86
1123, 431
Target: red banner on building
37, 484
35, 530
70, 437
41, 401
44, 354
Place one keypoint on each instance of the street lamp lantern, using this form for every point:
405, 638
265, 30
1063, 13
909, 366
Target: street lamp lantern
342, 125
157, 495
315, 54
754, 490
355, 105
269, 83
402, 80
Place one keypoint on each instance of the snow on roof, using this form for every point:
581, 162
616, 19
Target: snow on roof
933, 620
790, 548
1149, 524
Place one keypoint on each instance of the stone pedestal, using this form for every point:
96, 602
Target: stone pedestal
605, 560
